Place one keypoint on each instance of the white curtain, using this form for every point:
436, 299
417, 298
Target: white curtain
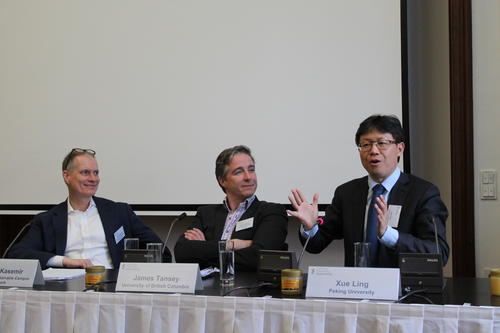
87, 313
54, 311
249, 315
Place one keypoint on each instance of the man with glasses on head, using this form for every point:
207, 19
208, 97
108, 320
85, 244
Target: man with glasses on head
84, 230
249, 224
395, 212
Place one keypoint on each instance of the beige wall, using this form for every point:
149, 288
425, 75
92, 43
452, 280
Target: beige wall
486, 94
429, 100
429, 110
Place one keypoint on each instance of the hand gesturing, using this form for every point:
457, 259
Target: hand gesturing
306, 213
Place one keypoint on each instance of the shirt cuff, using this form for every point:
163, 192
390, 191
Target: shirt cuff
55, 261
309, 233
390, 237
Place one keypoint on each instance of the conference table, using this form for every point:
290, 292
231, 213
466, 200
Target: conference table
465, 305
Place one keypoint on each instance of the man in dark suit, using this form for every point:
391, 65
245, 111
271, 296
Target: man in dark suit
399, 218
84, 230
245, 222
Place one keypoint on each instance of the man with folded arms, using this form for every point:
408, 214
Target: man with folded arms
391, 210
84, 230
248, 223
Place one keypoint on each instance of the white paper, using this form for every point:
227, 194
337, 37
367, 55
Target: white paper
62, 273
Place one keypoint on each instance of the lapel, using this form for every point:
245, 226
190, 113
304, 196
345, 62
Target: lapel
221, 216
358, 203
399, 191
398, 196
251, 210
109, 224
220, 219
60, 225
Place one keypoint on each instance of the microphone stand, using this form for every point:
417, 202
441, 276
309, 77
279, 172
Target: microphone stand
177, 219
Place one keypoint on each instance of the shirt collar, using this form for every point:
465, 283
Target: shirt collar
389, 182
245, 204
72, 210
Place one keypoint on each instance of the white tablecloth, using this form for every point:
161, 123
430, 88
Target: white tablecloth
52, 311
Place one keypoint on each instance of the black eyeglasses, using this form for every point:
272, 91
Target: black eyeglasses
382, 145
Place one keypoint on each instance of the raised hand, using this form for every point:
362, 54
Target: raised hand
306, 213
383, 216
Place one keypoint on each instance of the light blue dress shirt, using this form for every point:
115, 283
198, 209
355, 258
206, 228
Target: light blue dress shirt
391, 235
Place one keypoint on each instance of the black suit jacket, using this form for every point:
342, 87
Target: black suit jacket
268, 232
344, 219
49, 230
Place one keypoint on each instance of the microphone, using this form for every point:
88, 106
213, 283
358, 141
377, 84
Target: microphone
15, 239
177, 219
319, 221
435, 234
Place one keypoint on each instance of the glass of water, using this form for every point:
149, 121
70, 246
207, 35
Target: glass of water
226, 261
154, 252
361, 254
131, 243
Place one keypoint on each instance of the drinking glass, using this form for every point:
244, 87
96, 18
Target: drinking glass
226, 261
361, 254
154, 251
131, 243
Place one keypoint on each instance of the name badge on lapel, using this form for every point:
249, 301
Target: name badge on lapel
244, 224
119, 234
394, 211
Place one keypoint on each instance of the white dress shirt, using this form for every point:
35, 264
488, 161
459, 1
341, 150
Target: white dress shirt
85, 239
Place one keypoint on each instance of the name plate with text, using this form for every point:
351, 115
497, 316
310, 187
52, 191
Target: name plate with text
353, 282
159, 278
20, 273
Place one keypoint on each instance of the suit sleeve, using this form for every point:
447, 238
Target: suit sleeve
421, 238
144, 233
35, 244
205, 253
270, 234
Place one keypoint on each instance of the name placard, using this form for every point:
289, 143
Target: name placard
20, 273
353, 282
159, 278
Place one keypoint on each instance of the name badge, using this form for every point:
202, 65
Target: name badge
119, 234
353, 283
159, 278
20, 273
244, 224
394, 211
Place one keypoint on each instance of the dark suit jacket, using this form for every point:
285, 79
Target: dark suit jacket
268, 232
344, 219
48, 234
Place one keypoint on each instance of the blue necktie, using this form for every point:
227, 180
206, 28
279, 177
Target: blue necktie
372, 225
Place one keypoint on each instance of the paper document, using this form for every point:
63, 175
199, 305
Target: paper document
62, 273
